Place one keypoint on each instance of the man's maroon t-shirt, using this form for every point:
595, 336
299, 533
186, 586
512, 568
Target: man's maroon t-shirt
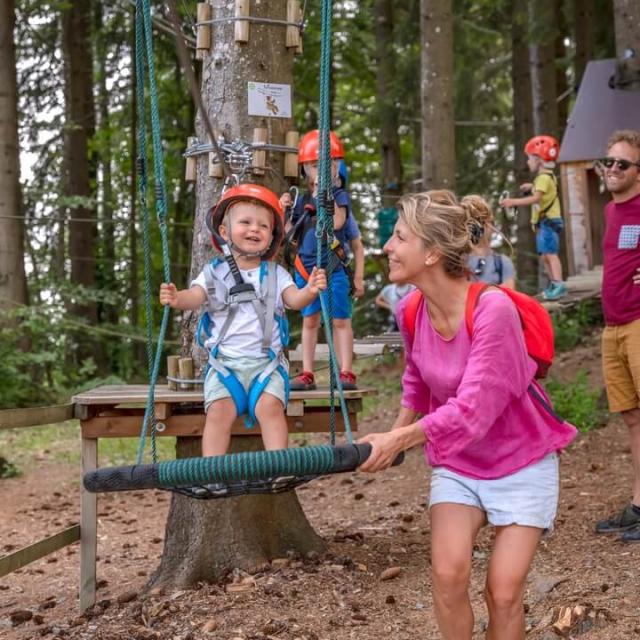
621, 249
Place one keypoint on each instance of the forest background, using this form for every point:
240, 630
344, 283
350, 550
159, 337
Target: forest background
424, 94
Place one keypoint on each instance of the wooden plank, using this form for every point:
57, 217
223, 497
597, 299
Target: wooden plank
35, 416
314, 419
295, 408
37, 550
392, 338
360, 350
162, 410
137, 394
88, 528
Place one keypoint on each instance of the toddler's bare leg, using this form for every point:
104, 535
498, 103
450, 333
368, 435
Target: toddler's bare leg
273, 423
217, 427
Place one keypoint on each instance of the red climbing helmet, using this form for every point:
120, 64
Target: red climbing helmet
545, 147
254, 192
309, 147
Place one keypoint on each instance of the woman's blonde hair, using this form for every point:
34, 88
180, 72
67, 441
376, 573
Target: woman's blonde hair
449, 226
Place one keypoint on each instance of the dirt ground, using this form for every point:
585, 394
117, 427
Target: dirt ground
373, 583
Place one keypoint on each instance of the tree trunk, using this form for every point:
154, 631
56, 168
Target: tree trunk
438, 132
562, 86
204, 540
387, 110
526, 258
627, 26
583, 16
79, 128
108, 311
543, 71
13, 283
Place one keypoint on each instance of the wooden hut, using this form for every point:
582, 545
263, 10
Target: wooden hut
599, 110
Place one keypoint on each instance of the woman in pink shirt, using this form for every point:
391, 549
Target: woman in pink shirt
492, 444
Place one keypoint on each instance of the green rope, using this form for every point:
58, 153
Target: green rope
248, 465
324, 227
144, 53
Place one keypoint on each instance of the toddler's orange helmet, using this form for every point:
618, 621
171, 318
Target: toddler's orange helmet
259, 194
309, 147
545, 147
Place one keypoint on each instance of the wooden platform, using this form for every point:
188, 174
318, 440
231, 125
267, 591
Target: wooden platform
115, 411
584, 286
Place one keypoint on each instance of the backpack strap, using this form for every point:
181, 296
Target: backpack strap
497, 259
268, 305
410, 311
476, 289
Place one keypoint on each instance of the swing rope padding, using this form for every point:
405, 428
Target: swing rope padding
230, 468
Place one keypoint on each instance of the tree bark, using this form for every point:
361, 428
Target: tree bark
13, 283
526, 258
386, 100
108, 311
562, 85
438, 132
626, 15
79, 128
583, 16
205, 540
543, 72
627, 26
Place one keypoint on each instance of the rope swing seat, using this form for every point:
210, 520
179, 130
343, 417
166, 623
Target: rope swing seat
253, 472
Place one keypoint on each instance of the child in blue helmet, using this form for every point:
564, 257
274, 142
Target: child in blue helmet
246, 338
343, 281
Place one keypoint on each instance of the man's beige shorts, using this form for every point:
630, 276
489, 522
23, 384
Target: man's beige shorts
621, 365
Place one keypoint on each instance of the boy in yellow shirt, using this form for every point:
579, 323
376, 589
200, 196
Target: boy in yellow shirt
546, 213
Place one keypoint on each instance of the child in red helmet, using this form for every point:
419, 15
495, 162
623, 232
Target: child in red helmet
250, 221
546, 213
348, 239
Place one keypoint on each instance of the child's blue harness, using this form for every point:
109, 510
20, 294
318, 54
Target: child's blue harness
264, 304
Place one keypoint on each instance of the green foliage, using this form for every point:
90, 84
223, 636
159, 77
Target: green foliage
577, 403
8, 469
571, 327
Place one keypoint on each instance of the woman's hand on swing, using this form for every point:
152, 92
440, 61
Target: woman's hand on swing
385, 447
317, 281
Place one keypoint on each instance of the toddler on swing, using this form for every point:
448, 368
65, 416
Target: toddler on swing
245, 325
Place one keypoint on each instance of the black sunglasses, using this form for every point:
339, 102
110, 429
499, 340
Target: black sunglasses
623, 165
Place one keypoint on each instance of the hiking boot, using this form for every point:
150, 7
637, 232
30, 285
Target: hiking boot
555, 291
632, 535
306, 381
348, 379
627, 519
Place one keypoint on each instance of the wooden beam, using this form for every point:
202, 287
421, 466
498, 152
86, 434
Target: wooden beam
88, 528
117, 395
360, 350
314, 420
37, 550
35, 416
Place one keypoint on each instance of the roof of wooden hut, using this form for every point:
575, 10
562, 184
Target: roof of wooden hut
599, 110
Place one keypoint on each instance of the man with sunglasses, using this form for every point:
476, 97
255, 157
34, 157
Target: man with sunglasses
621, 305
